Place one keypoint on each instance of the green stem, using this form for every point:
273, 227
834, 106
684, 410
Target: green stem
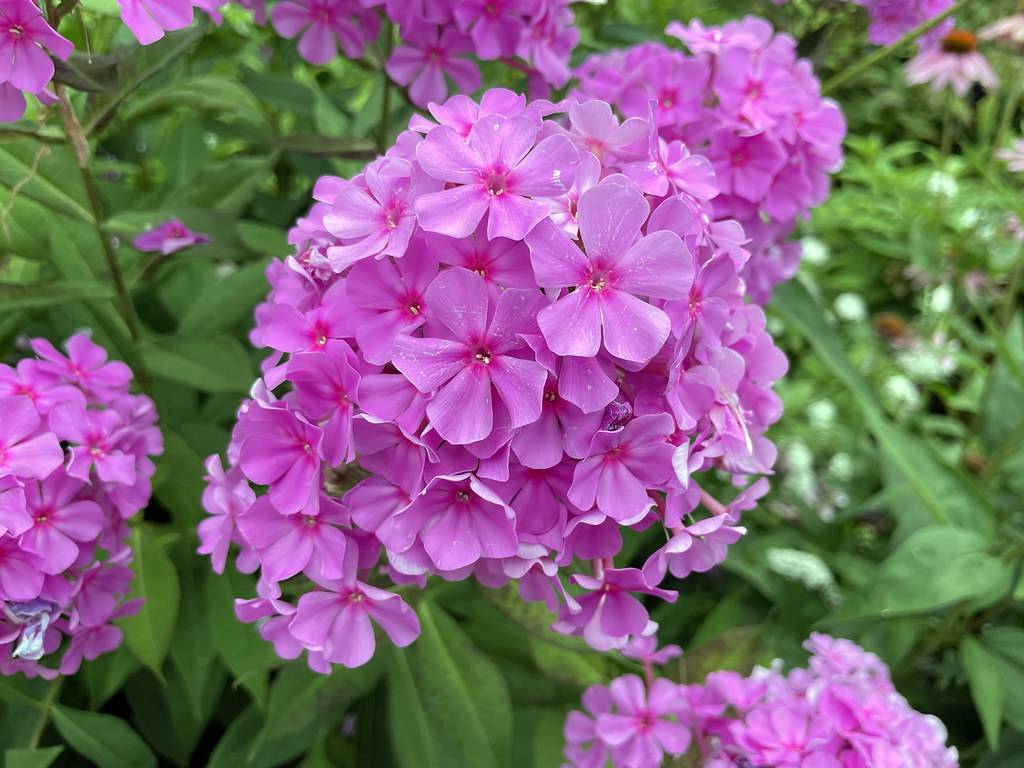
383, 129
45, 706
884, 53
80, 146
947, 125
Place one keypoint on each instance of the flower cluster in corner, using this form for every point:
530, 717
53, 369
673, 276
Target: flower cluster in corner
26, 45
75, 465
515, 335
439, 39
842, 711
744, 100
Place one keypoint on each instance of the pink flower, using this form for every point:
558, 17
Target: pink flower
61, 525
1013, 156
583, 744
1008, 30
85, 366
25, 39
617, 265
324, 25
428, 55
338, 622
393, 293
42, 388
378, 220
622, 465
609, 613
21, 573
494, 25
149, 19
325, 389
459, 520
496, 170
288, 544
955, 62
169, 237
642, 728
24, 450
225, 497
95, 436
746, 165
281, 450
475, 359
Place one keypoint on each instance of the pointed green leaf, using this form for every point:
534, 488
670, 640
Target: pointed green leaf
148, 633
215, 365
448, 702
107, 741
31, 758
986, 681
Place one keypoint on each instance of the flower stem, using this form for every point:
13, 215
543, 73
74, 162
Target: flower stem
44, 712
884, 53
385, 99
80, 146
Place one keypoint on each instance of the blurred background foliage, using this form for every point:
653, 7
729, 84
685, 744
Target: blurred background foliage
895, 517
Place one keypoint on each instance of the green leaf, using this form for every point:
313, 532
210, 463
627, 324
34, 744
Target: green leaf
246, 655
302, 701
178, 483
1007, 645
107, 741
948, 496
215, 365
53, 292
31, 758
448, 703
225, 303
136, 64
986, 681
46, 174
148, 633
933, 568
210, 93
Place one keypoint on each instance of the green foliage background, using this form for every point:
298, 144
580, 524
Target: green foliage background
895, 518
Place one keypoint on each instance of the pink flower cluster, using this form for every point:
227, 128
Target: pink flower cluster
26, 44
521, 335
75, 464
745, 101
840, 712
438, 38
891, 19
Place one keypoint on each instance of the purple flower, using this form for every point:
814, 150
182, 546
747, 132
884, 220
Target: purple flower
325, 389
610, 613
377, 219
225, 497
642, 727
496, 170
459, 520
288, 544
324, 25
24, 450
746, 165
25, 40
428, 55
283, 451
583, 744
622, 465
149, 19
494, 25
501, 263
698, 547
393, 294
618, 265
95, 438
61, 524
337, 623
85, 366
169, 237
475, 359
21, 573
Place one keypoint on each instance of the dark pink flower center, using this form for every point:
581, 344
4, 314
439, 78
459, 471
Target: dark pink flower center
435, 54
483, 356
309, 520
645, 721
462, 496
495, 183
15, 30
738, 158
754, 90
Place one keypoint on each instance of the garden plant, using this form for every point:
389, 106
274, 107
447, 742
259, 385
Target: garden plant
512, 383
